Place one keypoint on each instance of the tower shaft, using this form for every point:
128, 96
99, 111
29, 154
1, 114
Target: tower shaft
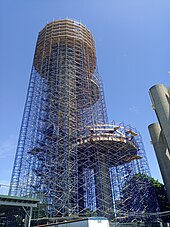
64, 98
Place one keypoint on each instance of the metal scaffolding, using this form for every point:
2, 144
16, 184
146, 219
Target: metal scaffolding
68, 155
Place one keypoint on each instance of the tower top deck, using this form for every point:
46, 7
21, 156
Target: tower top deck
69, 28
71, 35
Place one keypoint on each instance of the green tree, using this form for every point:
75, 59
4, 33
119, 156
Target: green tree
161, 197
142, 193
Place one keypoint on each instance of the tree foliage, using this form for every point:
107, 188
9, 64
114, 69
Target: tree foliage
142, 193
161, 197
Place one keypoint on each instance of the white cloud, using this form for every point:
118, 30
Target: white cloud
133, 109
4, 187
7, 153
7, 148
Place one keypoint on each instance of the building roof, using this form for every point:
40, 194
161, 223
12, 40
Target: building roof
8, 203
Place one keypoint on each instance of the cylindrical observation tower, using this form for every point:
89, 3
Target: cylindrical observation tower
68, 155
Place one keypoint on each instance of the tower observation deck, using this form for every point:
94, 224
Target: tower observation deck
68, 155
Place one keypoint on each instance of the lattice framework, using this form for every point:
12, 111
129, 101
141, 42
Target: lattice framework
68, 155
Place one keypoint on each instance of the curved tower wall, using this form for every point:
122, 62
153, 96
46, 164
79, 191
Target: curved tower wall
161, 104
160, 133
162, 153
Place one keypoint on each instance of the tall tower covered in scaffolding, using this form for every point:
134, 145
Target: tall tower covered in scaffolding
68, 155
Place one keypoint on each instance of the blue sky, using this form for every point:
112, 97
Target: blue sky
133, 51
